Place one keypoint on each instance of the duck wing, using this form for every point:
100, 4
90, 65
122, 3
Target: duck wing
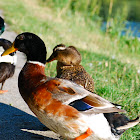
68, 92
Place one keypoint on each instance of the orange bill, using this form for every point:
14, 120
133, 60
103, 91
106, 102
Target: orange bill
10, 50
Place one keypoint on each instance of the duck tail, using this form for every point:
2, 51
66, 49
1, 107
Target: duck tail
130, 124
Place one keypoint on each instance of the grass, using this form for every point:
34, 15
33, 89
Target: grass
113, 62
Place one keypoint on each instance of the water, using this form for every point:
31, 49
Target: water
134, 28
131, 28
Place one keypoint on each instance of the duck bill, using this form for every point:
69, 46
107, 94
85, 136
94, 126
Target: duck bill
50, 59
10, 50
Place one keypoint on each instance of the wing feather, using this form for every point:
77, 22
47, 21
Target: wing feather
68, 92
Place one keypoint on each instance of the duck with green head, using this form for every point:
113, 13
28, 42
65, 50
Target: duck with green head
7, 63
2, 28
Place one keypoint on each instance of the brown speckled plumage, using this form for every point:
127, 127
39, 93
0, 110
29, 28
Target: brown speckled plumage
76, 74
68, 66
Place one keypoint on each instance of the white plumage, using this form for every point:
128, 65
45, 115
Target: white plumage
8, 59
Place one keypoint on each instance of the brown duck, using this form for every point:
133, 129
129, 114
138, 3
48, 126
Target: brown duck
69, 67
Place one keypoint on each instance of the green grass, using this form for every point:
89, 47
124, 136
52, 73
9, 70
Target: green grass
111, 60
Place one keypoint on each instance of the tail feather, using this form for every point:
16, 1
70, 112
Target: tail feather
130, 124
103, 110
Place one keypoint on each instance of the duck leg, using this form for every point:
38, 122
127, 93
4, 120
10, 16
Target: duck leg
85, 135
2, 84
2, 91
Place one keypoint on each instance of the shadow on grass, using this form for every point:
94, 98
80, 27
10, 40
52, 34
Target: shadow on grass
13, 120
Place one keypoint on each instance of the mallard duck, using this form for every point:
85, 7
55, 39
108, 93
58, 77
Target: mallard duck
7, 63
50, 98
68, 66
2, 26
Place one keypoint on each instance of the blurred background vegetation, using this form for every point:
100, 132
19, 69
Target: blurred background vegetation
116, 18
100, 8
106, 32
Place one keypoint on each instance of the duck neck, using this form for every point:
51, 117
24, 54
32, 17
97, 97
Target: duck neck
34, 68
31, 76
36, 53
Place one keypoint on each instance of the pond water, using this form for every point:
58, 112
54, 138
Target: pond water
133, 28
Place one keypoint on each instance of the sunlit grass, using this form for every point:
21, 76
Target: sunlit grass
114, 63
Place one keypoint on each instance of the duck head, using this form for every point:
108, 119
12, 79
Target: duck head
6, 44
65, 55
31, 45
2, 26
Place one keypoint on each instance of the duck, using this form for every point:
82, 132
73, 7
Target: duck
68, 67
2, 28
7, 64
50, 98
2, 25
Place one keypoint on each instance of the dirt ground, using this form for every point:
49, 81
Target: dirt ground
17, 122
